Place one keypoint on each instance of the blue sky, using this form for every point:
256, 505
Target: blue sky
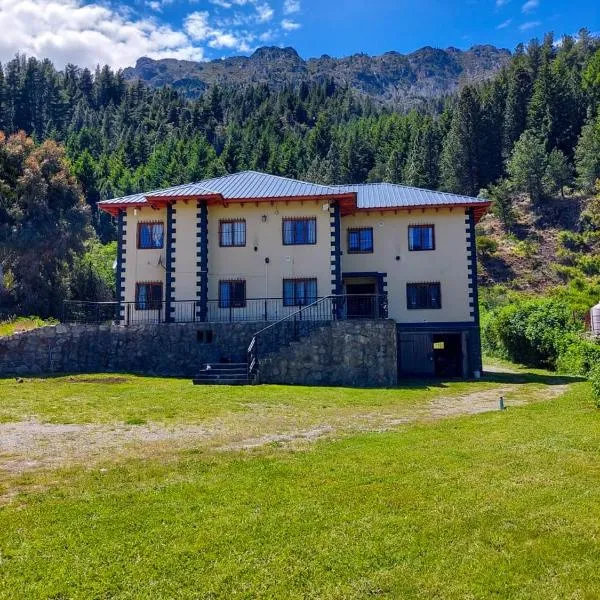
117, 32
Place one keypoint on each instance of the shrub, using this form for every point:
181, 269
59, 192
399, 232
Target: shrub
533, 332
579, 357
576, 242
526, 248
594, 377
486, 245
589, 265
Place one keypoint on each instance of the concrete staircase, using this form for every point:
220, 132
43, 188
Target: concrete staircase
223, 374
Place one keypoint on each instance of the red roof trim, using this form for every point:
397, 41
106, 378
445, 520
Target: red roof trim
480, 208
347, 203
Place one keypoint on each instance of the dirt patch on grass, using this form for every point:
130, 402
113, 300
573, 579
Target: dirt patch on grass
488, 400
106, 380
29, 445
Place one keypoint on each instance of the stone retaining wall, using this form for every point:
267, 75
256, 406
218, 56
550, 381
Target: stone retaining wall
175, 349
347, 353
362, 352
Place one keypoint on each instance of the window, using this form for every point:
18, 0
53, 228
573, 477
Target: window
299, 231
360, 241
232, 233
232, 294
151, 235
148, 296
423, 295
299, 292
421, 237
205, 336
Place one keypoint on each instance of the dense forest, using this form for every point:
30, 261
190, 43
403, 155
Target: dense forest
121, 138
531, 131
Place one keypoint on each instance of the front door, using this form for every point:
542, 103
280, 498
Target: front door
361, 300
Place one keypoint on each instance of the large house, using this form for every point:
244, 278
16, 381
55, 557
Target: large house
256, 247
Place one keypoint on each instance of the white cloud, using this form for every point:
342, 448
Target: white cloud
501, 3
530, 25
289, 25
198, 26
92, 32
86, 34
504, 24
291, 6
267, 36
530, 6
264, 12
158, 5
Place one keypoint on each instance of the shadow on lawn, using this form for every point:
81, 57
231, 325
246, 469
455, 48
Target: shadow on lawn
520, 378
527, 377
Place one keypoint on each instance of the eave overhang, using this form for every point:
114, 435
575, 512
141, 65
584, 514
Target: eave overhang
347, 202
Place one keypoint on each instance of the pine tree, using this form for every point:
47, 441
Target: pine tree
558, 172
591, 79
395, 167
460, 155
423, 158
587, 155
527, 165
492, 130
515, 115
539, 113
501, 195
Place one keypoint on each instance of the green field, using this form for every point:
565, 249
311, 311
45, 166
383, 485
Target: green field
135, 487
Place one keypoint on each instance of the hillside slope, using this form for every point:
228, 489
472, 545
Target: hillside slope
547, 246
390, 77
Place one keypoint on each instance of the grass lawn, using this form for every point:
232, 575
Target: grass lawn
131, 399
497, 504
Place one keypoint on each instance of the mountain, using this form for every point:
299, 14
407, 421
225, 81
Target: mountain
390, 77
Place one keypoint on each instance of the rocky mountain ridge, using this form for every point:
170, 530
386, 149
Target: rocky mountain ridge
391, 77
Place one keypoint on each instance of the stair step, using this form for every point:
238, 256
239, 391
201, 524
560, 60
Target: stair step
221, 381
217, 371
222, 376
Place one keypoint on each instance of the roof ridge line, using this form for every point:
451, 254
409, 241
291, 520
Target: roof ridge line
331, 187
406, 187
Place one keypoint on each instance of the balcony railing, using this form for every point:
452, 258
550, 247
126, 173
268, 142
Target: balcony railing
355, 306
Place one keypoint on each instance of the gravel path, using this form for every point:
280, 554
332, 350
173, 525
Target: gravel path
28, 445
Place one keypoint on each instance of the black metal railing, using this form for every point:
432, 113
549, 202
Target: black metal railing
304, 320
366, 306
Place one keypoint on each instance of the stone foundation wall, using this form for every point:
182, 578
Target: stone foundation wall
346, 353
175, 349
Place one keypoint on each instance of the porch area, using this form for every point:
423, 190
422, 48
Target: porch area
256, 310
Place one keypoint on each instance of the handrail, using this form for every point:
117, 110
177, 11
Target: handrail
337, 303
291, 315
252, 354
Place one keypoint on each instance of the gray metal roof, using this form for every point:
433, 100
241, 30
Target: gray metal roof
247, 184
191, 189
251, 184
391, 195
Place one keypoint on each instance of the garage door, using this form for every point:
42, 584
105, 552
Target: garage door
416, 354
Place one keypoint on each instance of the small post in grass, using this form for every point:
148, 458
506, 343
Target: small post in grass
501, 403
